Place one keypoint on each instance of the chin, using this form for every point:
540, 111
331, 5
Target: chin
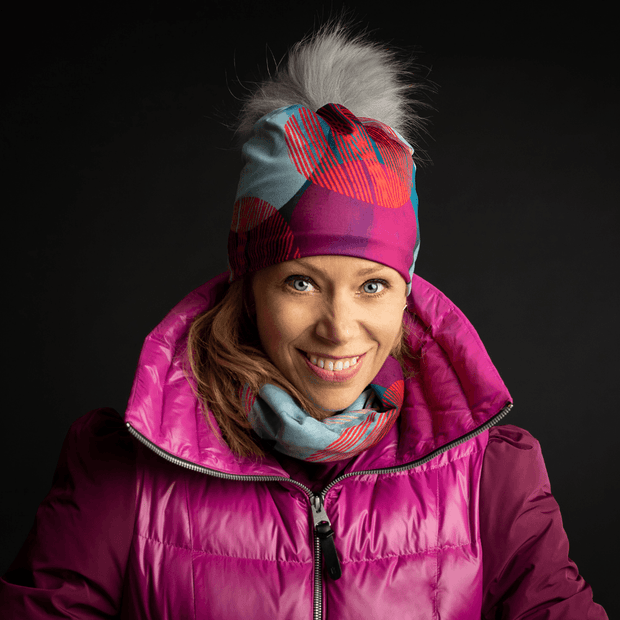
333, 405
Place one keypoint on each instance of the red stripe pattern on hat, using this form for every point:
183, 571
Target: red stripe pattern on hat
352, 168
255, 219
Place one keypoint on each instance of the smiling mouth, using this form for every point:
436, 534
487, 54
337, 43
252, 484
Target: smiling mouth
328, 363
338, 370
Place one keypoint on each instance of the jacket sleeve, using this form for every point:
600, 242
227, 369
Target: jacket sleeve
73, 562
526, 569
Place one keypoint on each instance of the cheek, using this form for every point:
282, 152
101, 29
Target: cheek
268, 329
391, 331
273, 328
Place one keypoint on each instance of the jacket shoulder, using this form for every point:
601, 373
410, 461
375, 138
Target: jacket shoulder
526, 568
514, 436
76, 552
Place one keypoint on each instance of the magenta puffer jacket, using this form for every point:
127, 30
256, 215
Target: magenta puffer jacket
442, 519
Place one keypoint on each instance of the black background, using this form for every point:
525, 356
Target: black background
119, 176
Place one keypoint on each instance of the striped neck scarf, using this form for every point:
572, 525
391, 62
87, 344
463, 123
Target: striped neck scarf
275, 416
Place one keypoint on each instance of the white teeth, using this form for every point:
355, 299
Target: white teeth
331, 365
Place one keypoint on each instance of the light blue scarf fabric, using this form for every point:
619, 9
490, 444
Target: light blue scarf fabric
275, 416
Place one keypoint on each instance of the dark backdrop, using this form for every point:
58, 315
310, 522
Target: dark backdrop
119, 178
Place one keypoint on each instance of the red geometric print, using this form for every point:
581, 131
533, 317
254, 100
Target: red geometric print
349, 441
395, 394
259, 236
249, 212
358, 175
396, 159
247, 398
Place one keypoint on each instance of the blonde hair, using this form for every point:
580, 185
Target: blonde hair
225, 354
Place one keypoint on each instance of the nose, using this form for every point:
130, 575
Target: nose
338, 322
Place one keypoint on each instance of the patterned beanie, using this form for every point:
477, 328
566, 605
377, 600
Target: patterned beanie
324, 182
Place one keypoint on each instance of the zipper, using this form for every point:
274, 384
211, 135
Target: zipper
324, 545
319, 516
331, 557
325, 534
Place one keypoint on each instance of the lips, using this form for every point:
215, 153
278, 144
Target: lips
334, 376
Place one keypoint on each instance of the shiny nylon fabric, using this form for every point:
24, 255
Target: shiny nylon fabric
408, 542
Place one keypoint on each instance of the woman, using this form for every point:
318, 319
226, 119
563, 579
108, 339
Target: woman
311, 433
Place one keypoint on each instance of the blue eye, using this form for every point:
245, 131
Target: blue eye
372, 287
300, 284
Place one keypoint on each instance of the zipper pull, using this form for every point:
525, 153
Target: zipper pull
323, 529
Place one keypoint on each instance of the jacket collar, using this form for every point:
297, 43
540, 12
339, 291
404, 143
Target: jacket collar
455, 388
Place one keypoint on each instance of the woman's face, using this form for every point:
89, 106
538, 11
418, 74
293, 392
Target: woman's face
328, 323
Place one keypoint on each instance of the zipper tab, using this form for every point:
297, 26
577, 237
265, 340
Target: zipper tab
323, 529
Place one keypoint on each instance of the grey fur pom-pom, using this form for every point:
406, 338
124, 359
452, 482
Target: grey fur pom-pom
335, 66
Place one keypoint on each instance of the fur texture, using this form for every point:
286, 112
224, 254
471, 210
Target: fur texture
333, 65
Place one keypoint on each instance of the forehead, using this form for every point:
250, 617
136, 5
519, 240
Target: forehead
330, 266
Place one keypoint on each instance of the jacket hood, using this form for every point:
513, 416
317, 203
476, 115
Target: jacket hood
455, 388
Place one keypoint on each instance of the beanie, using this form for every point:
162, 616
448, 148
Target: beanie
324, 182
